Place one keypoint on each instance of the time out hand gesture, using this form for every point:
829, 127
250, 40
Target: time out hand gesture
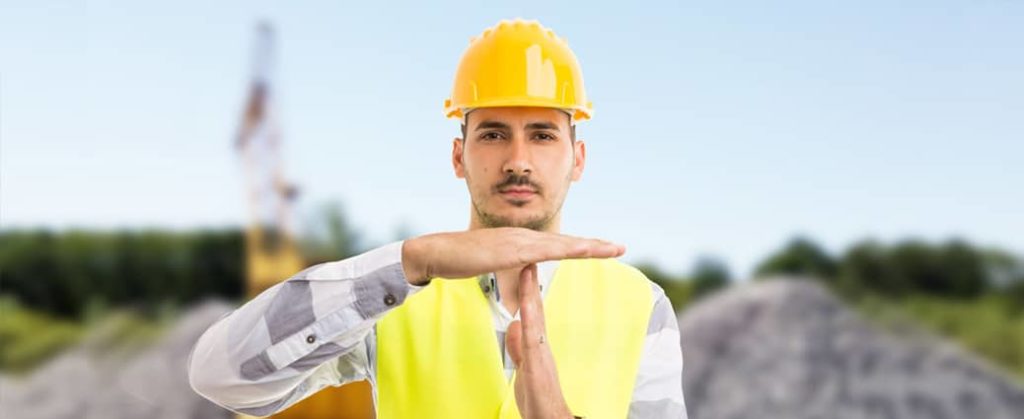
470, 253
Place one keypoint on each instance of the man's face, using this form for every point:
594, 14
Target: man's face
518, 163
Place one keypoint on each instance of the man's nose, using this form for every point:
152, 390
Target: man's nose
519, 159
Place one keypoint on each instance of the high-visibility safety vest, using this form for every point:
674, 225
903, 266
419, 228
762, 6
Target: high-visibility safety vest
438, 354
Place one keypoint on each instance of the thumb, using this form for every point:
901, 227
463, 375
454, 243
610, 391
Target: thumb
514, 342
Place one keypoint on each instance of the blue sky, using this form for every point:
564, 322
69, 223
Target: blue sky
720, 129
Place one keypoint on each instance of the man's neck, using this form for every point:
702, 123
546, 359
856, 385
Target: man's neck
508, 279
508, 284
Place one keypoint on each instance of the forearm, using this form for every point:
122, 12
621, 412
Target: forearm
300, 335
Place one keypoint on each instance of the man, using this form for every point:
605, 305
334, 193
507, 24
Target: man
508, 319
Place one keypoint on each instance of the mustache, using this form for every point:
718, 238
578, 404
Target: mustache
517, 180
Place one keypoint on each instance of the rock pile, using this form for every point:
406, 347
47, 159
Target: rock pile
84, 383
789, 349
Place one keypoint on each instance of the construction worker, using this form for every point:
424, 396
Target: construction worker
508, 319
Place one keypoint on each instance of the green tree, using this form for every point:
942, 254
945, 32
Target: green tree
329, 235
800, 256
709, 275
866, 267
678, 290
963, 270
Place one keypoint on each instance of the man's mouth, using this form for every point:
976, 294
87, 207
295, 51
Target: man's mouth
518, 193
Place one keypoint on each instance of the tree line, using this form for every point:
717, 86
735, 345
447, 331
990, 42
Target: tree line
68, 273
954, 269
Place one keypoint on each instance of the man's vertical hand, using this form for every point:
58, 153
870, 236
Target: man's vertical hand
538, 393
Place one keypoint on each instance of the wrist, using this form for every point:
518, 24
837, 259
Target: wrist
412, 266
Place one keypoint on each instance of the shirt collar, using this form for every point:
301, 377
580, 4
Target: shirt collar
545, 274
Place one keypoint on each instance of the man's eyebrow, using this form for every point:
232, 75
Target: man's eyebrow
542, 125
492, 125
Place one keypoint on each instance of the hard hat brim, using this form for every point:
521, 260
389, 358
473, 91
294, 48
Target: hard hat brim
577, 113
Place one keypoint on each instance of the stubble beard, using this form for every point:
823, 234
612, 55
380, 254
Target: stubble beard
538, 223
488, 220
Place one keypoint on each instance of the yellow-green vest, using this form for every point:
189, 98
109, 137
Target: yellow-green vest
438, 354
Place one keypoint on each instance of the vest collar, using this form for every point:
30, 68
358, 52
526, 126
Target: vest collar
545, 273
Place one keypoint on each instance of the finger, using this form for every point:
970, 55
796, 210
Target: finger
593, 248
514, 342
531, 309
542, 247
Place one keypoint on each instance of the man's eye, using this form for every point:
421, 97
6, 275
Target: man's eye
491, 136
544, 137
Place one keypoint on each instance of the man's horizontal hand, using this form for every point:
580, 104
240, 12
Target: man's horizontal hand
470, 253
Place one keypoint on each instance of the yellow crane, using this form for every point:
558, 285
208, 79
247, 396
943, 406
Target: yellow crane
271, 252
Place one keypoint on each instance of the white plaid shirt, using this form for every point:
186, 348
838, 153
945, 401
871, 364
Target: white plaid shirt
317, 329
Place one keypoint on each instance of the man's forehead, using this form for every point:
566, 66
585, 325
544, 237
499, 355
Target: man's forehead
518, 116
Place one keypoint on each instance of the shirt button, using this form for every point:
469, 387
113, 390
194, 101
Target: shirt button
487, 289
310, 338
389, 300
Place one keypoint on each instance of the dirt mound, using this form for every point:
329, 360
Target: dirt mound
788, 349
85, 384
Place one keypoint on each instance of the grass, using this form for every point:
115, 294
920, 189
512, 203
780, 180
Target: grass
29, 338
991, 326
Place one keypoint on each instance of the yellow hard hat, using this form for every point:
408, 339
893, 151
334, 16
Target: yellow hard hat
518, 63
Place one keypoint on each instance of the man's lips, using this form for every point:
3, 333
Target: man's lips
518, 192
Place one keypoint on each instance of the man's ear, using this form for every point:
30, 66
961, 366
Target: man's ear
580, 161
460, 171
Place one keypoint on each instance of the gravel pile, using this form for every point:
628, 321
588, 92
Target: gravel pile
788, 349
85, 383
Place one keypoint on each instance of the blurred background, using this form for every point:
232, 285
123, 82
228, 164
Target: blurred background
830, 194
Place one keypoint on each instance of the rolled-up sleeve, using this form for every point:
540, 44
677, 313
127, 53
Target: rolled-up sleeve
300, 335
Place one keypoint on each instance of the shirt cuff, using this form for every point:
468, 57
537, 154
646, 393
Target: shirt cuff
385, 288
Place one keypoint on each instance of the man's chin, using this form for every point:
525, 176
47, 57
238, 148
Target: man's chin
530, 221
